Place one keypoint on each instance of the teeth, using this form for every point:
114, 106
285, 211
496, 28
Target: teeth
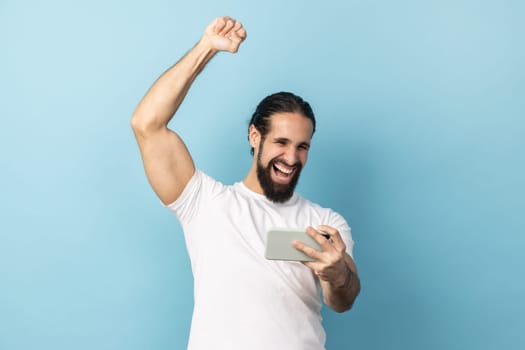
284, 170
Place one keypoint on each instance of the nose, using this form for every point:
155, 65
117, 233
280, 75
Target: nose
291, 156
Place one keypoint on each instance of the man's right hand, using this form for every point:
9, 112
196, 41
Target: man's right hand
224, 34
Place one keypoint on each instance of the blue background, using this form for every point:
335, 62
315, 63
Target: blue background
420, 145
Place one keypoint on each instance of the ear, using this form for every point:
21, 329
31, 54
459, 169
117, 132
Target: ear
254, 136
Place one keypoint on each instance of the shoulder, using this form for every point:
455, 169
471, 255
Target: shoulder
204, 183
306, 203
325, 214
199, 190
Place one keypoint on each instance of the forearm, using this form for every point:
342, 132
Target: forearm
165, 96
340, 296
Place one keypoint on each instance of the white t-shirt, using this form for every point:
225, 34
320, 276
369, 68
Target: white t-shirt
242, 300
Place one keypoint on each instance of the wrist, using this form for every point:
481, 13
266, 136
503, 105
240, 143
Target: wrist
207, 45
344, 283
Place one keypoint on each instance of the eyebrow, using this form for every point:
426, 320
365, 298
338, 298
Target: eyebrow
280, 139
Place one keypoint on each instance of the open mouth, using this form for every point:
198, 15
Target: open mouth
283, 173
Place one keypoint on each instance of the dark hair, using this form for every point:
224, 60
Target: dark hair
278, 103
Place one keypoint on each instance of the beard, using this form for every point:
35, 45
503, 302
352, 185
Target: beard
276, 192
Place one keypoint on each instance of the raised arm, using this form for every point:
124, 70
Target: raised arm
166, 159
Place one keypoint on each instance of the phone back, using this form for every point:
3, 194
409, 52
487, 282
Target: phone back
279, 244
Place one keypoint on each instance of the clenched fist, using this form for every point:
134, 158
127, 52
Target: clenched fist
225, 34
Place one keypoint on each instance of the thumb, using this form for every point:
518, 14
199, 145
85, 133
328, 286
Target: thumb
235, 42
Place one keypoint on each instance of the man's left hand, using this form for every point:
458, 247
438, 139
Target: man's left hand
329, 264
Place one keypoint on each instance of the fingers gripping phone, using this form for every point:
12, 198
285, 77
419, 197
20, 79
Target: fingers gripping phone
279, 244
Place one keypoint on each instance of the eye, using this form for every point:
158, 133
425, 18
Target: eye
304, 147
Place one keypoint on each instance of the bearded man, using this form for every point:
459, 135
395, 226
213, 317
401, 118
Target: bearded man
243, 300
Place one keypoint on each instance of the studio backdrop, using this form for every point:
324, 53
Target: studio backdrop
420, 146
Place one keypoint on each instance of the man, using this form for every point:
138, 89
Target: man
242, 300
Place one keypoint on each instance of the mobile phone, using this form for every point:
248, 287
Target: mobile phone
279, 244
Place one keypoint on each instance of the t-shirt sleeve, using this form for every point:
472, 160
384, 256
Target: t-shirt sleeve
337, 221
198, 190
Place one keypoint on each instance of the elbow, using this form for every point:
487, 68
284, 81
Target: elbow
342, 308
137, 125
141, 125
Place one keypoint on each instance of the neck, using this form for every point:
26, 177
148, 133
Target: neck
251, 181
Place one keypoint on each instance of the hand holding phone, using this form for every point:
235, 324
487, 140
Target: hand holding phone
279, 244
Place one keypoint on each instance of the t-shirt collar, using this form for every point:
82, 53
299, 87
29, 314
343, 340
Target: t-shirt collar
262, 197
